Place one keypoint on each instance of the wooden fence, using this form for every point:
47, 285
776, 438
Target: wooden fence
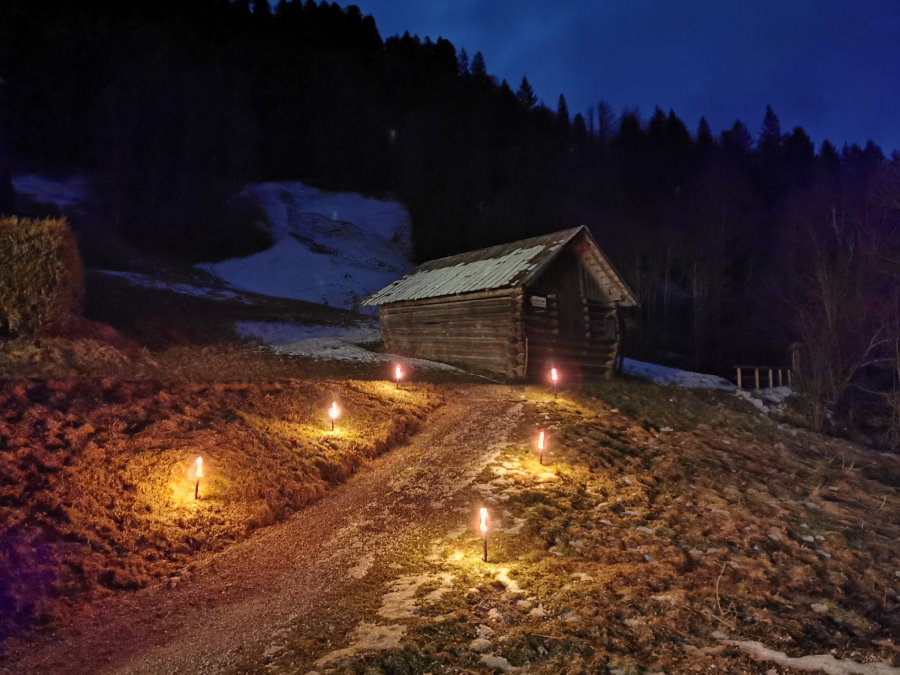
782, 374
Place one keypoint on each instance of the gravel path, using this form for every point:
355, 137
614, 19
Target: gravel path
241, 608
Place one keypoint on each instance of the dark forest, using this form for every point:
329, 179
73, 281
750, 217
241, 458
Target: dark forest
738, 243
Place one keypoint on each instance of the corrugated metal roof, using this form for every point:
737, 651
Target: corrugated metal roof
492, 268
495, 267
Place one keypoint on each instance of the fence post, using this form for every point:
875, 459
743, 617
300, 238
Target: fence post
756, 376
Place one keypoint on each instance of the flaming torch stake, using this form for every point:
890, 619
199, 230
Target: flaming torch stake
333, 413
484, 529
398, 374
554, 377
198, 472
541, 447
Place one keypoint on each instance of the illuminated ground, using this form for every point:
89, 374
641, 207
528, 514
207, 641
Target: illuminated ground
693, 543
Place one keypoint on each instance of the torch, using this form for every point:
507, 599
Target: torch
540, 446
334, 412
483, 526
198, 473
398, 374
554, 377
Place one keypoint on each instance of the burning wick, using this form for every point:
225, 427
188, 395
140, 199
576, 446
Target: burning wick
541, 446
554, 377
483, 526
334, 412
198, 472
398, 374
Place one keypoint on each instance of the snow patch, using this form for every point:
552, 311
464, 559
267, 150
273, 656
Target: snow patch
332, 248
148, 281
63, 192
825, 663
367, 637
674, 376
283, 333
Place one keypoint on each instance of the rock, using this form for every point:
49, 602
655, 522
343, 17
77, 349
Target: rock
538, 612
774, 537
480, 645
497, 662
541, 650
571, 616
494, 614
485, 631
808, 539
819, 608
666, 429
645, 530
712, 551
822, 554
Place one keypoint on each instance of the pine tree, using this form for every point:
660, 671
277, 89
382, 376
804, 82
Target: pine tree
737, 139
463, 60
562, 112
704, 133
770, 138
479, 69
525, 93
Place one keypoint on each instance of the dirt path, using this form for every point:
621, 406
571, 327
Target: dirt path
302, 585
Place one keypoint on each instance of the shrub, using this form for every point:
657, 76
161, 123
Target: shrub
40, 274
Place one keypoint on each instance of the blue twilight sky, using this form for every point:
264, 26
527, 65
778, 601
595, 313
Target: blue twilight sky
831, 66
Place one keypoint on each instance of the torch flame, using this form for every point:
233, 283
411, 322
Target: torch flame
334, 411
541, 441
554, 375
483, 525
198, 467
398, 372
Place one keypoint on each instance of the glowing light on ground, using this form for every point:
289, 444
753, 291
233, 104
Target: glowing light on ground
540, 446
554, 377
334, 412
398, 374
198, 474
483, 526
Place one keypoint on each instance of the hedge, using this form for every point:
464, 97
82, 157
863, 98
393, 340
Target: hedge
40, 275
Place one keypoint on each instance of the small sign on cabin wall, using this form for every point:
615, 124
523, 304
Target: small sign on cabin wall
538, 301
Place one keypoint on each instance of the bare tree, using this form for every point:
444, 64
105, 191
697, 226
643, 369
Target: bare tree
844, 300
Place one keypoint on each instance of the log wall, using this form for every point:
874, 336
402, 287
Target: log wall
480, 331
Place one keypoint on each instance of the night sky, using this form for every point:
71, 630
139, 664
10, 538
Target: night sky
830, 66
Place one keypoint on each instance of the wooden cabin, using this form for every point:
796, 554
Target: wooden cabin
514, 310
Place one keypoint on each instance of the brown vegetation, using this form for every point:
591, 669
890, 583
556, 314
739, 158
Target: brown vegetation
40, 274
665, 530
96, 493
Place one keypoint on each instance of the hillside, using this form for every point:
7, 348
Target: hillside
667, 530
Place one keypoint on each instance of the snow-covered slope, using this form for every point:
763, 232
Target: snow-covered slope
330, 248
65, 192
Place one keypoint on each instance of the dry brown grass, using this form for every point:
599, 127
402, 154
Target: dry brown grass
95, 488
642, 545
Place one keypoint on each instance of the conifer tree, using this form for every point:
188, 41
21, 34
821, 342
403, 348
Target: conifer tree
479, 69
463, 59
770, 132
562, 112
525, 93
